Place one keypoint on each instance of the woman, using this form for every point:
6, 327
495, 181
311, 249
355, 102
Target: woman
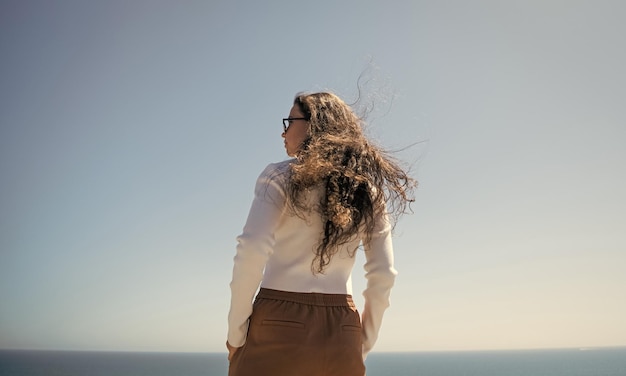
307, 220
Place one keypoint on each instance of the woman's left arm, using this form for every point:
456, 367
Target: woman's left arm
255, 245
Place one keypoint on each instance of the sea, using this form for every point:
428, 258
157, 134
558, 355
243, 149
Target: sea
561, 362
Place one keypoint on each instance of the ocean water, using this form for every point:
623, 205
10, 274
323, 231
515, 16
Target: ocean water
566, 362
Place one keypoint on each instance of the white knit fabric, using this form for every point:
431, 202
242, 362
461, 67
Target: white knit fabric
276, 250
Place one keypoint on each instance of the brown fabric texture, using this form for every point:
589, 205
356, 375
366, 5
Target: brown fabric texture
301, 334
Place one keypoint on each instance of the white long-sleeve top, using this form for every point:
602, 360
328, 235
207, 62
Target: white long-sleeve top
276, 250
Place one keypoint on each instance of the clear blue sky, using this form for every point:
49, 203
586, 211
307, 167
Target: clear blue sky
131, 134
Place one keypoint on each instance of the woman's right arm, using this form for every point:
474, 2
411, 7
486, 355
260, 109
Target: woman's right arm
380, 274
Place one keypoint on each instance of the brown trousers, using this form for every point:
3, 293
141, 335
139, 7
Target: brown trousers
301, 334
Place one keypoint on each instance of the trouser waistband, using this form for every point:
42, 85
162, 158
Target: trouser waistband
309, 298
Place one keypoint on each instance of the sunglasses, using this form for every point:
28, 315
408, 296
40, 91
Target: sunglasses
287, 122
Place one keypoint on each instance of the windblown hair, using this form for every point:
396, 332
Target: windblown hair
359, 181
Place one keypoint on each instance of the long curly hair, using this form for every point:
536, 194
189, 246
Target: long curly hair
359, 181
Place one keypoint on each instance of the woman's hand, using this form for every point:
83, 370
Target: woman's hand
231, 351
